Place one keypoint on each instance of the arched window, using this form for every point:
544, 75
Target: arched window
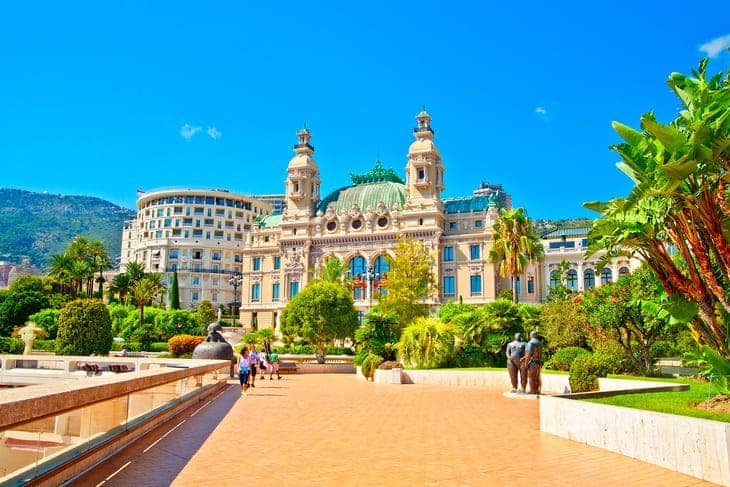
380, 269
606, 276
589, 279
356, 273
554, 278
623, 271
572, 280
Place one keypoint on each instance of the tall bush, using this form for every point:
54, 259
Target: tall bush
426, 343
84, 327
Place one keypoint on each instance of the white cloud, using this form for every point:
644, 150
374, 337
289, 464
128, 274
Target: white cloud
716, 46
187, 132
541, 110
214, 133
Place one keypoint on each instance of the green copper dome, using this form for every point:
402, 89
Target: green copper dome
366, 196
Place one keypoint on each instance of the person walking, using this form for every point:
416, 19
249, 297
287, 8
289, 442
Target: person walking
263, 363
253, 361
243, 370
274, 365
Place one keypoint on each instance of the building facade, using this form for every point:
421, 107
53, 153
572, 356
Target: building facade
198, 233
565, 261
360, 225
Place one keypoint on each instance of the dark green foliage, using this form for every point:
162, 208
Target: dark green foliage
378, 336
448, 311
17, 306
296, 348
45, 345
471, 356
174, 293
564, 357
205, 314
169, 323
11, 345
84, 327
48, 320
584, 373
45, 224
663, 348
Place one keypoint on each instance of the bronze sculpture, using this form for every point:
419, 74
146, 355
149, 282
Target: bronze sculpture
515, 364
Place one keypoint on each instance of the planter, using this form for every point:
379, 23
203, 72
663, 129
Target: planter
395, 375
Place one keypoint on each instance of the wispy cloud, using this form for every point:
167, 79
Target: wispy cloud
187, 132
541, 110
715, 46
214, 133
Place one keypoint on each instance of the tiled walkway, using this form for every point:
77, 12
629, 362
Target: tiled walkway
336, 430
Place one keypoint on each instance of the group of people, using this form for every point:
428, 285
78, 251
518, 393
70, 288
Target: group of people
525, 358
250, 362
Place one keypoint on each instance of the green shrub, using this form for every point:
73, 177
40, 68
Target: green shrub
45, 345
133, 346
158, 347
585, 371
662, 348
183, 344
471, 356
426, 343
369, 365
340, 351
84, 327
11, 345
505, 294
563, 358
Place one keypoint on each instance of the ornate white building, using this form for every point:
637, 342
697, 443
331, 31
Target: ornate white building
360, 224
198, 233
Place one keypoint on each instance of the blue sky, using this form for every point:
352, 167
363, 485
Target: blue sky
103, 98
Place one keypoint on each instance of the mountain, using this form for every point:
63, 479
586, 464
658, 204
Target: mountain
38, 225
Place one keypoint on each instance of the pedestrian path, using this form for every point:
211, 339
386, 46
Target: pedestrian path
337, 430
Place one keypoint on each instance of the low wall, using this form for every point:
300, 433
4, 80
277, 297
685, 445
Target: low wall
692, 446
307, 368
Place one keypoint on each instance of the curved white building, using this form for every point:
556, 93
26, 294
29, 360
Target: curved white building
198, 233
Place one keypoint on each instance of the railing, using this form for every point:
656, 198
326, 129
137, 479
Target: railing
52, 431
200, 270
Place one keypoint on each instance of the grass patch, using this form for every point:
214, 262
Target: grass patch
679, 403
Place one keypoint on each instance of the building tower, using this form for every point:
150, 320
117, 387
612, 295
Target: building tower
424, 170
302, 181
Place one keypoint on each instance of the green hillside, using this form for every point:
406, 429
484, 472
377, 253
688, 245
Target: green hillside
38, 225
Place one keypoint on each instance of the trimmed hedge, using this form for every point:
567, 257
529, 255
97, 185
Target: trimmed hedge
84, 327
11, 345
45, 345
564, 357
159, 347
585, 371
183, 344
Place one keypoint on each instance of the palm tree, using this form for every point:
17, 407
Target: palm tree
143, 292
121, 285
334, 270
426, 343
515, 245
679, 198
61, 269
135, 270
100, 261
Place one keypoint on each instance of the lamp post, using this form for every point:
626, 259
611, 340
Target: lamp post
235, 281
370, 275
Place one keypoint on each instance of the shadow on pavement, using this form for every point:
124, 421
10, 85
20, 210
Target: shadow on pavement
162, 462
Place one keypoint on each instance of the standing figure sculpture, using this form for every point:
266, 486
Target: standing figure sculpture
515, 364
533, 362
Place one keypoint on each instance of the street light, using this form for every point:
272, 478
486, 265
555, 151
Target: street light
370, 275
235, 281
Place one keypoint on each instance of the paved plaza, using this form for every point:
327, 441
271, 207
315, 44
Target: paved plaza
336, 430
